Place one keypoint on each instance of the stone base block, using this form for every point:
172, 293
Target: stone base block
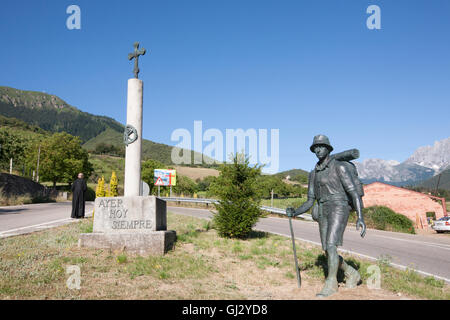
155, 242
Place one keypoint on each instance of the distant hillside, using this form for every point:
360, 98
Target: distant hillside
19, 125
294, 175
196, 173
150, 149
444, 182
52, 114
27, 132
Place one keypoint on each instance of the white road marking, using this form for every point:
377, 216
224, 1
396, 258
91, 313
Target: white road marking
432, 244
3, 234
398, 266
34, 226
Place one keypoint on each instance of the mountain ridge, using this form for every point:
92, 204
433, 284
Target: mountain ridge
425, 163
52, 114
436, 157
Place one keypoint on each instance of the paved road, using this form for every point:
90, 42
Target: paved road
33, 217
428, 255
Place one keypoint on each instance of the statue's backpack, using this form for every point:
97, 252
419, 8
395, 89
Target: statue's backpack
345, 158
354, 174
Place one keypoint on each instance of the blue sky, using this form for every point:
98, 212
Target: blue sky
303, 67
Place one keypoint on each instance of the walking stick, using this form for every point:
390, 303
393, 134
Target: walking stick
295, 254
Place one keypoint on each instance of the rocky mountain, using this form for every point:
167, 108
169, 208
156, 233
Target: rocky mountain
425, 163
392, 172
436, 157
377, 169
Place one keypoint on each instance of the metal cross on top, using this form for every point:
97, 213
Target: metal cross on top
136, 55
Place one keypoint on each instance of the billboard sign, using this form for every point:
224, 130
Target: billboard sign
163, 177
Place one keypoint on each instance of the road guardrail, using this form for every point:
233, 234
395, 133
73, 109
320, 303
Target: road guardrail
304, 216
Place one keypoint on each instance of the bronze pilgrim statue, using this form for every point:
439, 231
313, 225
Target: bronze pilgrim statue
335, 187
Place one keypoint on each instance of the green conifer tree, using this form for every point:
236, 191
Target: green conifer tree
239, 198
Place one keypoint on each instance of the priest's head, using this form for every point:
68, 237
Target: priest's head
80, 175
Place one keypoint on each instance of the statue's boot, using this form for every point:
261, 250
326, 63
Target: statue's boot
330, 287
352, 277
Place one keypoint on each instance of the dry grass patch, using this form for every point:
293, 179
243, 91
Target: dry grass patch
202, 266
196, 173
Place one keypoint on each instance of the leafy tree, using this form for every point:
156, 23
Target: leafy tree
61, 159
12, 146
268, 182
185, 185
203, 185
239, 197
147, 172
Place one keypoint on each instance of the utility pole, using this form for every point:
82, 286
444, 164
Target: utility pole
437, 184
37, 166
271, 198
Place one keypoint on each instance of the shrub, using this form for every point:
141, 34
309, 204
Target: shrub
203, 185
100, 192
148, 171
122, 258
431, 215
90, 194
239, 198
113, 185
383, 218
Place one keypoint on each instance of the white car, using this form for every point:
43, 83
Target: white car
442, 225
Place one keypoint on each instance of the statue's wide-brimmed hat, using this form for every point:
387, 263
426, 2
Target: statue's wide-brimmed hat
321, 139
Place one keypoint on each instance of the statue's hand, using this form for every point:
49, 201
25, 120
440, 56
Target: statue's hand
290, 212
360, 223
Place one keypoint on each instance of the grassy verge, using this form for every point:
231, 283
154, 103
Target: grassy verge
284, 203
379, 218
202, 266
104, 166
24, 199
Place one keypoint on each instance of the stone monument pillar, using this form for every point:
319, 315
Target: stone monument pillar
133, 152
133, 222
136, 224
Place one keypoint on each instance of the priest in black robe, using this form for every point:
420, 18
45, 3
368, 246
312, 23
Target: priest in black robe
79, 187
